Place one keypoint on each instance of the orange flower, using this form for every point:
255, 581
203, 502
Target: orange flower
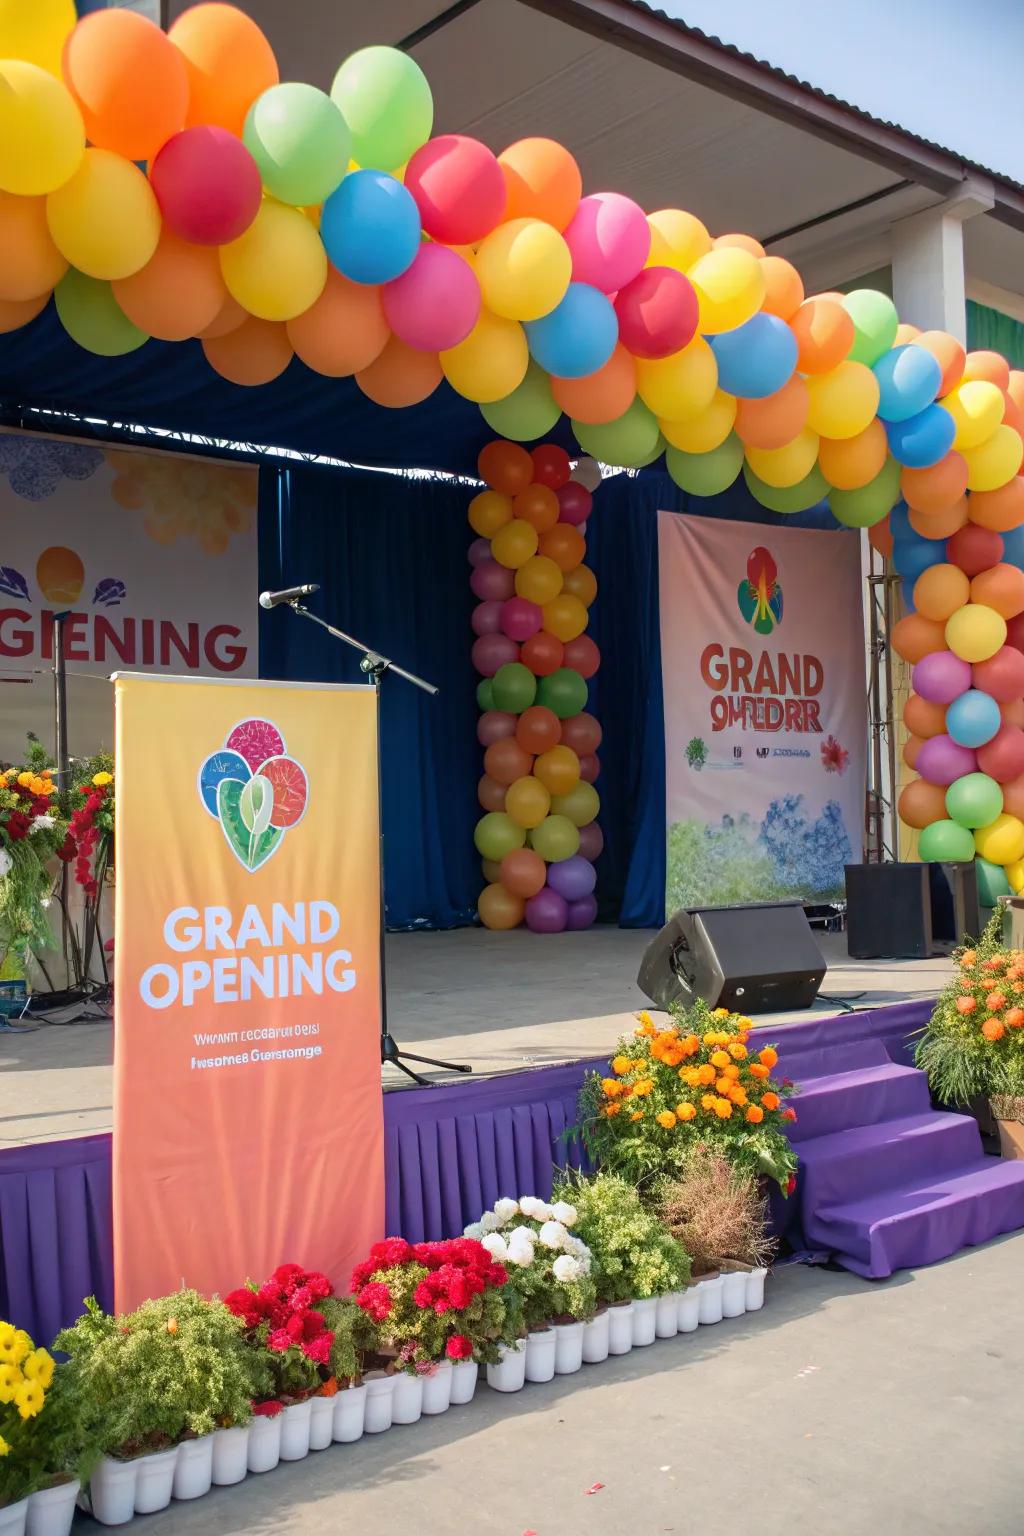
967, 959
988, 983
737, 1050
172, 1325
1014, 1018
757, 1070
645, 1021
711, 1038
643, 1087
691, 1045
329, 1388
686, 1111
621, 1065
673, 1056
666, 1119
612, 1087
737, 1094
723, 1084
637, 1114
755, 1114
996, 1000
706, 1074
768, 1057
732, 1073
965, 1005
719, 1059
770, 1100
690, 1076
788, 1113
720, 1013
993, 1029
995, 963
723, 1109
611, 1109
708, 1101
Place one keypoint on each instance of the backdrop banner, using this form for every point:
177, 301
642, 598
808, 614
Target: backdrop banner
248, 1126
763, 661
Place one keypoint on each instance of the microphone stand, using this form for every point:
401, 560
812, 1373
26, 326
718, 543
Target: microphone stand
374, 665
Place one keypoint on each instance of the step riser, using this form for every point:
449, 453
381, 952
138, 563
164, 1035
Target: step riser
893, 1159
803, 1066
921, 1236
821, 1112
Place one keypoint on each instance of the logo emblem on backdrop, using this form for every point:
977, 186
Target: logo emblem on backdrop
60, 576
255, 790
760, 595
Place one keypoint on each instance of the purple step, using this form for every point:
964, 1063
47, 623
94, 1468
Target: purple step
865, 1096
922, 1221
869, 1158
827, 1060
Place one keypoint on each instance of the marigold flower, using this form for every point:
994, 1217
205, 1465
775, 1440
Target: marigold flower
719, 1059
755, 1114
768, 1057
988, 983
621, 1065
686, 1111
720, 1013
691, 1045
757, 1070
643, 1017
611, 1109
737, 1050
993, 1029
723, 1084
690, 1075
666, 1119
788, 1113
708, 1101
770, 1100
711, 1038
673, 1056
612, 1087
737, 1094
1014, 1018
643, 1087
967, 959
965, 1005
723, 1109
745, 1023
637, 1114
996, 1000
732, 1073
706, 1074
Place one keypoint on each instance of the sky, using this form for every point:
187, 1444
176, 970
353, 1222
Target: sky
949, 70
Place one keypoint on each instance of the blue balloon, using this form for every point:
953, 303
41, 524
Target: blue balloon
912, 556
578, 336
899, 522
755, 359
973, 718
923, 439
908, 380
1013, 547
370, 227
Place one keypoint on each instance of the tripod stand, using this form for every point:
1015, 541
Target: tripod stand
375, 666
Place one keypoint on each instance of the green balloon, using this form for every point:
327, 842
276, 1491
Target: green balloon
497, 834
580, 805
870, 503
485, 693
874, 324
788, 498
992, 882
706, 474
564, 692
628, 442
556, 838
300, 141
655, 454
384, 98
529, 412
92, 316
946, 843
974, 800
513, 688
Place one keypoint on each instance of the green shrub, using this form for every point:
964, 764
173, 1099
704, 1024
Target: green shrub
634, 1254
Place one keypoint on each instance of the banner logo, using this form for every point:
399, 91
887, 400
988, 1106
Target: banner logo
760, 595
255, 790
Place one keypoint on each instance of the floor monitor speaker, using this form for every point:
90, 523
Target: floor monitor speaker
757, 958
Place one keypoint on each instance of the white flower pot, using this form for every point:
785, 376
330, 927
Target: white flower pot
230, 1455
51, 1510
540, 1355
265, 1443
349, 1414
666, 1315
510, 1372
645, 1317
734, 1292
193, 1473
12, 1518
408, 1403
709, 1308
568, 1348
464, 1379
321, 1422
380, 1396
595, 1338
295, 1430
112, 1490
437, 1389
755, 1289
689, 1309
620, 1329
155, 1481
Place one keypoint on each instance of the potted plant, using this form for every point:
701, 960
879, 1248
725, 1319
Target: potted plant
719, 1214
47, 1438
344, 1387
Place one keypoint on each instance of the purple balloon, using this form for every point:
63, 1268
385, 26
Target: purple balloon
486, 619
492, 582
520, 618
573, 878
582, 914
491, 652
547, 912
494, 725
941, 677
479, 551
591, 841
941, 760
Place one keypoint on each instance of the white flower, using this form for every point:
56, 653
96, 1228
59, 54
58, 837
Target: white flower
520, 1249
532, 1207
475, 1229
567, 1269
505, 1210
496, 1246
553, 1235
43, 823
577, 1246
6, 862
489, 1222
564, 1212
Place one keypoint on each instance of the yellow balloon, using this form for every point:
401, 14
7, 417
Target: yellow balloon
491, 362
527, 802
1002, 841
730, 288
278, 268
539, 580
36, 30
678, 239
680, 387
42, 137
843, 401
489, 511
1015, 875
977, 409
580, 805
975, 632
787, 465
106, 219
515, 543
524, 268
565, 617
707, 431
996, 461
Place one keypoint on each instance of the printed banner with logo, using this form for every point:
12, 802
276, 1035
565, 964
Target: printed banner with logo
248, 1121
762, 637
153, 554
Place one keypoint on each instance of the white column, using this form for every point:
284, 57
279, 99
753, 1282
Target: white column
928, 284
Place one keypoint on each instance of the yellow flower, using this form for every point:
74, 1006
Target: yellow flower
637, 1114
737, 1050
690, 1076
720, 1013
666, 1119
621, 1064
723, 1109
723, 1084
745, 1023
708, 1101
643, 1087
24, 779
10, 1380
14, 1344
719, 1059
29, 1398
22, 1345
4, 1447
39, 1367
686, 1111
644, 1018
99, 779
711, 1038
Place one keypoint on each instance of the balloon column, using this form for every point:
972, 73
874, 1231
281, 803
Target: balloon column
538, 836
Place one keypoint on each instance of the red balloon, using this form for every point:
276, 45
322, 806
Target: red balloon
590, 768
1002, 675
591, 841
1002, 758
505, 467
492, 582
582, 655
494, 725
1013, 712
491, 794
657, 312
458, 187
207, 184
582, 733
551, 466
486, 618
542, 653
519, 618
538, 729
1015, 632
574, 503
491, 652
505, 761
974, 549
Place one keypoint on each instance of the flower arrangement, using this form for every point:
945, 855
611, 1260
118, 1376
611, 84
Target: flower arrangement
432, 1301
692, 1081
26, 1376
633, 1253
31, 833
90, 833
548, 1264
715, 1209
352, 1340
281, 1318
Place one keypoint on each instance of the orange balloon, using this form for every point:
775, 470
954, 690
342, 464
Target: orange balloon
489, 511
566, 546
491, 794
602, 396
1001, 510
1000, 587
1013, 415
914, 637
989, 366
740, 242
228, 62
229, 317
784, 287
129, 80
950, 355
1015, 388
499, 908
565, 617
880, 538
777, 419
906, 333
850, 462
505, 761
14, 313
537, 505
911, 750
542, 181
523, 872
940, 591
938, 487
401, 375
1013, 714
558, 770
921, 803
178, 293
939, 525
922, 718
30, 263
527, 801
581, 583
344, 331
1013, 797
255, 353
824, 335
505, 467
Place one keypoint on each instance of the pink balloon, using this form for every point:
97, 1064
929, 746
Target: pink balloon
1002, 758
582, 655
657, 312
494, 725
590, 768
591, 841
491, 652
458, 187
581, 914
520, 618
479, 551
610, 240
1002, 676
941, 760
486, 619
574, 503
547, 912
492, 581
942, 677
207, 184
435, 303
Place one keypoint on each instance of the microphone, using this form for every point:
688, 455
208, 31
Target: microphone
288, 595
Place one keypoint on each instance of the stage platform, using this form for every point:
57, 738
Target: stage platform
501, 1002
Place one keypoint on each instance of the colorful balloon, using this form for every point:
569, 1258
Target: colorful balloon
583, 733
538, 730
706, 474
506, 467
787, 466
1001, 510
941, 760
491, 582
573, 878
14, 313
824, 335
30, 263
384, 98
601, 396
921, 803
105, 219
556, 838
942, 677
580, 804
575, 503
299, 141
874, 324
681, 387
776, 420
922, 440
435, 303
944, 842
1002, 675
129, 81
591, 841
491, 362
976, 409
578, 336
228, 61
564, 693
583, 656
547, 912
524, 268
278, 268
344, 331
806, 493
996, 462
914, 636
42, 139
528, 412
500, 909
975, 632
1001, 587
730, 287
207, 184
973, 801
37, 32
457, 185
537, 504
523, 872
938, 525
256, 352
497, 834
704, 432
923, 718
908, 380
539, 580
630, 441
558, 769
565, 617
489, 792
177, 294
940, 591
543, 654
973, 718
657, 312
1002, 840
370, 227
609, 240
565, 545
756, 359
494, 724
93, 318
843, 402
974, 549
519, 619
949, 354
542, 181
784, 288
505, 761
514, 688
1003, 757
514, 543
938, 487
678, 239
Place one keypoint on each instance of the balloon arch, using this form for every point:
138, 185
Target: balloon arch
171, 186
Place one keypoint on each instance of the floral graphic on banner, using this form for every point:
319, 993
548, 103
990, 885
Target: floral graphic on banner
184, 498
35, 466
255, 790
760, 595
60, 576
834, 756
787, 853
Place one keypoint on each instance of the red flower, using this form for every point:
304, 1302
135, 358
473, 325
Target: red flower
791, 1186
287, 1276
459, 1347
279, 1340
834, 757
246, 1305
789, 1114
268, 1410
319, 1349
375, 1300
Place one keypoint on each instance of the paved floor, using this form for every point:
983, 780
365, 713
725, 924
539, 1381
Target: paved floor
845, 1408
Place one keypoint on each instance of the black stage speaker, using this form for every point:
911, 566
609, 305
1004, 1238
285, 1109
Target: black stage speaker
898, 911
758, 958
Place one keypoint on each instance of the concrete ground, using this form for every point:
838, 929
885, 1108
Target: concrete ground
845, 1408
